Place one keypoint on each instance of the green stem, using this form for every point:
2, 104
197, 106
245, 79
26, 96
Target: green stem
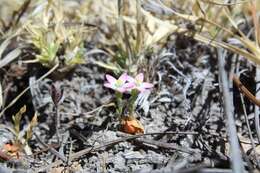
119, 103
57, 122
134, 95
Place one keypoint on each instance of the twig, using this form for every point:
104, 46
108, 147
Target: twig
215, 170
52, 150
159, 144
237, 162
131, 137
249, 130
257, 95
109, 143
252, 142
18, 14
255, 20
245, 91
46, 149
26, 89
226, 3
196, 169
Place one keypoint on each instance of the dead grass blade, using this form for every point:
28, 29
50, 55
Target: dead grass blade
214, 2
227, 46
250, 50
10, 57
4, 45
133, 31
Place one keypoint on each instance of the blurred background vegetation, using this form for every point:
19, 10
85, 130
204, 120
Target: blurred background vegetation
126, 30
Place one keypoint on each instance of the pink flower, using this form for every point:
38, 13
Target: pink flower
137, 83
116, 84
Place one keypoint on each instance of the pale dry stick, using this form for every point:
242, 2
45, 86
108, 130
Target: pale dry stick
51, 149
249, 129
237, 162
257, 76
225, 3
232, 71
10, 57
109, 143
235, 70
252, 142
26, 89
195, 169
254, 100
257, 95
5, 93
159, 144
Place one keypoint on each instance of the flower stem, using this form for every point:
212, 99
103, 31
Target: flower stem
57, 122
134, 94
119, 103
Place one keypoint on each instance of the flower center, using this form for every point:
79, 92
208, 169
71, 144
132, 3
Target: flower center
118, 83
138, 82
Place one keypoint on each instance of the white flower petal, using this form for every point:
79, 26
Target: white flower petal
140, 77
110, 79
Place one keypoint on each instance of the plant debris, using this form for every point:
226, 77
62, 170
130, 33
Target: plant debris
129, 86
